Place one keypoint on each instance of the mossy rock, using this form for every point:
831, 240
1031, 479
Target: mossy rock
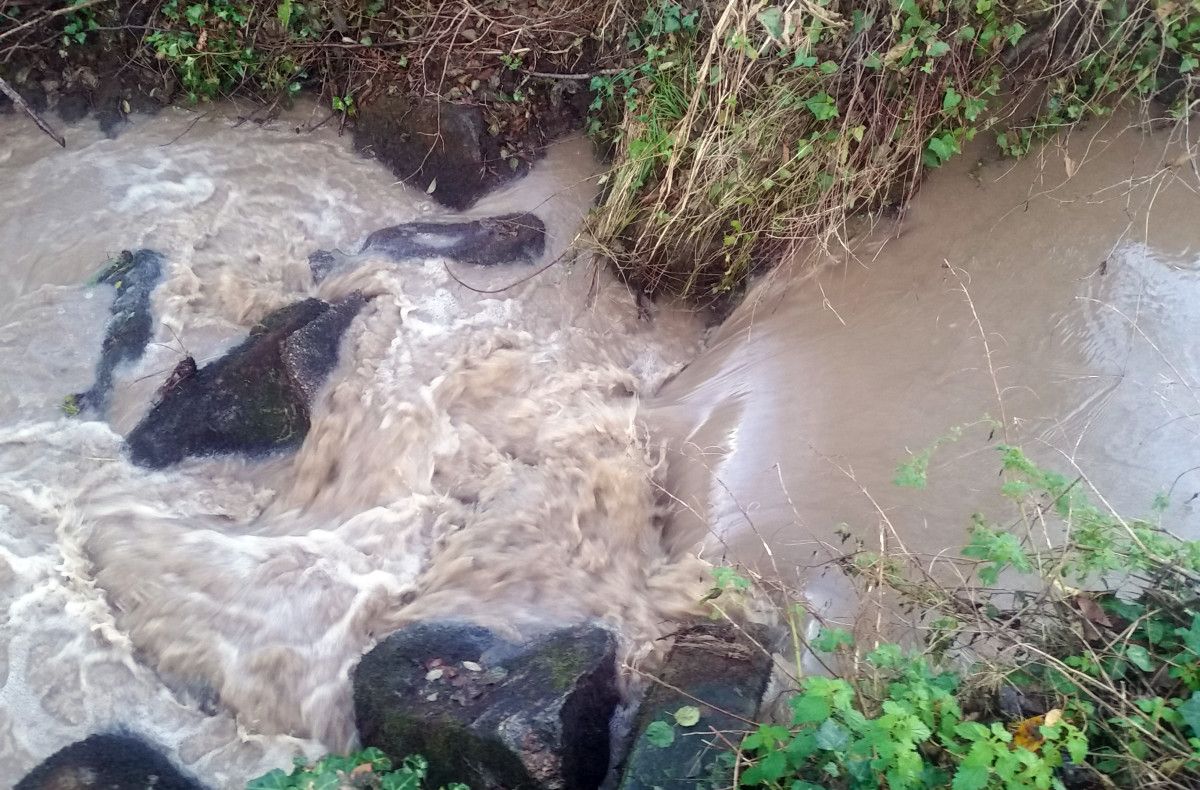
255, 399
490, 713
715, 669
112, 762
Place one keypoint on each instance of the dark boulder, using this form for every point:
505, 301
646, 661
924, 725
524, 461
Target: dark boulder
428, 143
483, 242
111, 762
134, 275
488, 712
714, 668
255, 399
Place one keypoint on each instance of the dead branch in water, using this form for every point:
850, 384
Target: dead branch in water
22, 105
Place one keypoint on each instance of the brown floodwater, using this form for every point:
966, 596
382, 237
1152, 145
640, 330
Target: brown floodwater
1052, 303
477, 452
530, 452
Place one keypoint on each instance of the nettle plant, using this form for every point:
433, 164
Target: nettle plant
1089, 620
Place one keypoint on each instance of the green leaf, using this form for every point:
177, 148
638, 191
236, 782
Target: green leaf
687, 716
1139, 657
873, 61
822, 106
284, 12
660, 734
1190, 711
1188, 63
1014, 32
808, 708
937, 48
913, 473
952, 99
831, 639
832, 737
772, 19
769, 769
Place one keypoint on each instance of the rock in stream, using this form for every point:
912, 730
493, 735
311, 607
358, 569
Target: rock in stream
437, 147
716, 669
134, 276
483, 242
255, 399
107, 762
488, 712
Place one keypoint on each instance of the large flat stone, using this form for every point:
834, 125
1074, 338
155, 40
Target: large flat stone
509, 238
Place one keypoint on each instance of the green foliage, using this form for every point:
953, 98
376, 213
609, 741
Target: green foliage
210, 46
1116, 671
1146, 49
79, 24
660, 734
369, 768
913, 735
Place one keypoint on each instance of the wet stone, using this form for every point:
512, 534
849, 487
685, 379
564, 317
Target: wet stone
439, 148
112, 762
134, 275
490, 713
254, 400
712, 662
508, 238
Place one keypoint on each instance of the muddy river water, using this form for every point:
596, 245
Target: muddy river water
536, 454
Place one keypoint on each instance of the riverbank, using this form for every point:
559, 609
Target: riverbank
736, 130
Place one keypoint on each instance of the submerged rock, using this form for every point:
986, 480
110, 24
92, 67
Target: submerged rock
483, 242
488, 712
134, 275
256, 398
439, 148
712, 662
111, 762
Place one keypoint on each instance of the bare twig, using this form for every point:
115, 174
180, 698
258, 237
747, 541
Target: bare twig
21, 104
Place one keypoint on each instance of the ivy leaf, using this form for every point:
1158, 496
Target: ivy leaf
660, 734
822, 106
937, 48
1139, 657
1190, 711
772, 19
687, 716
